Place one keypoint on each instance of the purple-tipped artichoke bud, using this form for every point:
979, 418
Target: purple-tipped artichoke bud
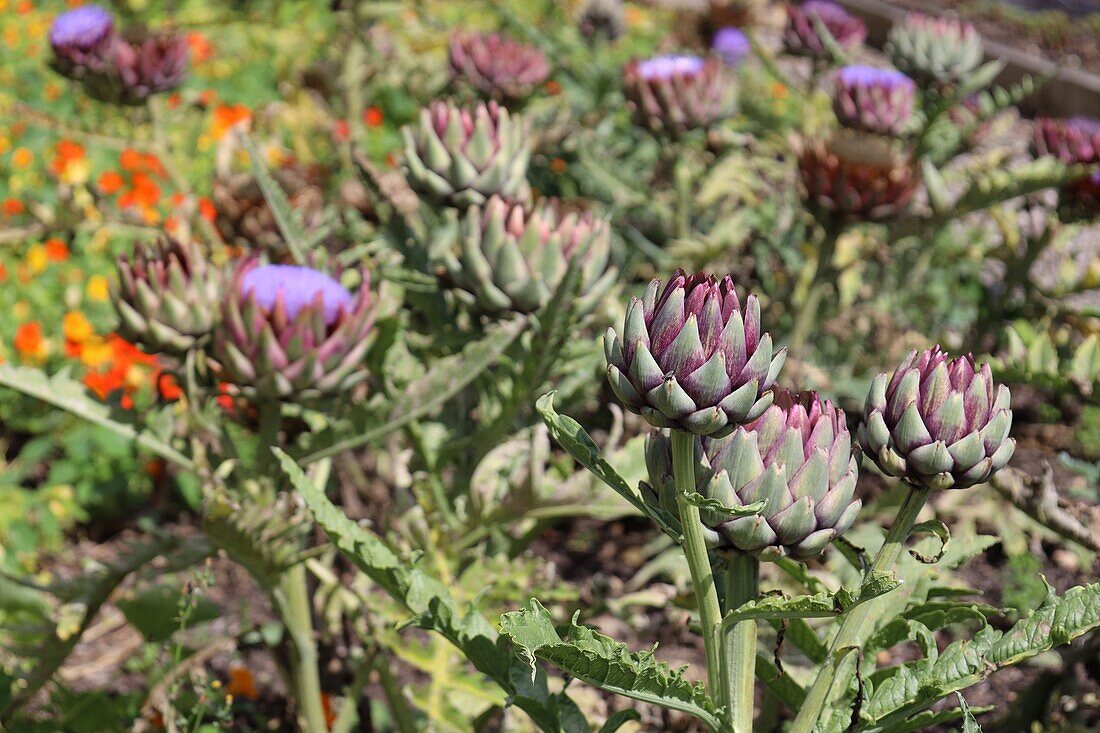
139, 65
81, 40
602, 19
459, 157
802, 38
168, 296
690, 358
938, 422
857, 177
675, 94
874, 100
1074, 141
513, 258
291, 332
796, 458
497, 66
938, 51
731, 45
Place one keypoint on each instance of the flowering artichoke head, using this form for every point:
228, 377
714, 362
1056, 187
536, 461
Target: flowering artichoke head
674, 94
938, 422
497, 66
81, 40
874, 100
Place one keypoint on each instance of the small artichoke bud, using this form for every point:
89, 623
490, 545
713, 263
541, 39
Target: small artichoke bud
857, 177
459, 157
731, 45
938, 422
675, 94
796, 458
513, 258
935, 51
167, 297
874, 100
602, 19
801, 37
1074, 141
690, 358
81, 41
497, 66
292, 333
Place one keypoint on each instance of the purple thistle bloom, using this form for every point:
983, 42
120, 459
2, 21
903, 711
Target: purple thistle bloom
299, 287
874, 100
732, 45
873, 76
667, 67
81, 28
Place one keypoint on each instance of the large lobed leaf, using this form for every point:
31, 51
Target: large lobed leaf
605, 663
818, 605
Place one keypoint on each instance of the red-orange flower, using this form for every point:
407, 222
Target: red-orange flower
226, 116
242, 683
110, 182
200, 47
29, 341
373, 117
56, 250
65, 153
12, 207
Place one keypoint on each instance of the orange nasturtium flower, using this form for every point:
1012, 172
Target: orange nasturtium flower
373, 117
226, 116
76, 327
110, 182
56, 249
22, 158
29, 342
13, 207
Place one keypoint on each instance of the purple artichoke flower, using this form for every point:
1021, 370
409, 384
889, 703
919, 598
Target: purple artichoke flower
291, 332
497, 66
801, 35
796, 458
690, 358
874, 100
731, 45
81, 40
857, 177
938, 422
1075, 140
674, 94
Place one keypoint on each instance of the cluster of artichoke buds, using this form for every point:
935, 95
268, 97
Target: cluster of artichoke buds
1074, 141
675, 94
934, 51
459, 157
796, 458
938, 422
123, 68
167, 296
802, 37
292, 332
513, 258
874, 100
855, 176
499, 67
690, 358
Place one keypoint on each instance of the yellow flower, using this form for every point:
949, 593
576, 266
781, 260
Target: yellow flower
98, 289
76, 327
75, 173
37, 258
5, 144
96, 353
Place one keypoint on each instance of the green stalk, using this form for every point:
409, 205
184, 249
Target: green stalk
808, 312
851, 628
402, 718
739, 640
292, 603
271, 417
695, 549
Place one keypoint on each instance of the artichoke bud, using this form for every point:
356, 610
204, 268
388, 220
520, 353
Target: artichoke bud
497, 66
167, 297
690, 358
795, 458
81, 40
672, 95
1074, 141
934, 51
938, 422
459, 157
857, 176
802, 38
874, 100
292, 333
602, 19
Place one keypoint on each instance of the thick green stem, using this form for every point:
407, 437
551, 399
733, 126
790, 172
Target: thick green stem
739, 641
292, 597
695, 549
270, 419
807, 314
851, 628
402, 718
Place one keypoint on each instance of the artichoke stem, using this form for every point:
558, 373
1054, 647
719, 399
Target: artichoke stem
698, 559
293, 604
851, 628
739, 640
808, 312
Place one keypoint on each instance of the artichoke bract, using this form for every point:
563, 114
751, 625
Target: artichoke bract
874, 100
690, 358
937, 51
168, 296
796, 458
459, 156
801, 36
731, 45
513, 258
939, 422
857, 177
81, 40
497, 66
675, 94
292, 333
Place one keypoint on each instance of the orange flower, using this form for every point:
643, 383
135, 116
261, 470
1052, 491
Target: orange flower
56, 250
95, 354
326, 706
558, 165
13, 207
173, 100
76, 327
241, 683
779, 90
200, 47
226, 116
3, 273
373, 117
552, 87
66, 152
22, 158
29, 343
110, 182
207, 210
143, 192
168, 387
129, 159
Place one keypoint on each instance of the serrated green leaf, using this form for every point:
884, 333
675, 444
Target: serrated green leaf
604, 663
619, 719
819, 605
970, 725
748, 510
277, 202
